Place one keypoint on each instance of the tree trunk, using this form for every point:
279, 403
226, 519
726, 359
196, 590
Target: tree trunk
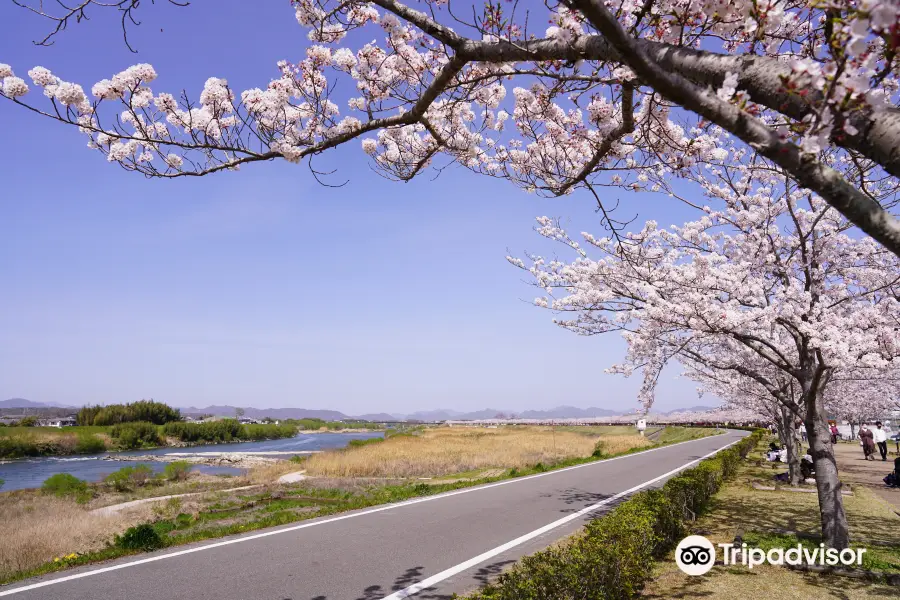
791, 444
835, 531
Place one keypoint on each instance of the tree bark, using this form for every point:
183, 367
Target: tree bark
788, 425
860, 209
835, 531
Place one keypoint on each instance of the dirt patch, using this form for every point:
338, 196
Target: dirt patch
854, 469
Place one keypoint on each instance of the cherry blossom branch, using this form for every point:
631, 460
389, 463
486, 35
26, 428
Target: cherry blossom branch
856, 206
78, 14
624, 128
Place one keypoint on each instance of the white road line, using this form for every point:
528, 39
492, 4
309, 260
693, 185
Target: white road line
427, 583
370, 511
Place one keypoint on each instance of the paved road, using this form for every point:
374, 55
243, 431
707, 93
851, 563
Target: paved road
428, 548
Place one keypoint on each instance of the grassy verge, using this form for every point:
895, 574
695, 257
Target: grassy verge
218, 513
768, 519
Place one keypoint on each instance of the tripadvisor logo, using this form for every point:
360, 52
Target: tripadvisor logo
696, 555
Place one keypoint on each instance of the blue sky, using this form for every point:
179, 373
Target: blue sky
263, 288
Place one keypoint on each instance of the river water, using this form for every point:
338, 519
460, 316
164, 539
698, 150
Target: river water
32, 472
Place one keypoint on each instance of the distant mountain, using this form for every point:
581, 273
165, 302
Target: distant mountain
431, 415
23, 403
560, 412
569, 412
377, 417
275, 413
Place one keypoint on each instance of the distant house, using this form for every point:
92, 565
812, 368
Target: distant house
58, 422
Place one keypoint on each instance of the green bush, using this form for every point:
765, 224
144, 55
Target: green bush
89, 444
613, 557
129, 477
145, 410
62, 485
360, 443
28, 422
140, 537
599, 450
2, 482
178, 470
130, 436
226, 430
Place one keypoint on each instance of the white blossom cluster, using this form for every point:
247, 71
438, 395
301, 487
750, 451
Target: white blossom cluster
547, 125
750, 297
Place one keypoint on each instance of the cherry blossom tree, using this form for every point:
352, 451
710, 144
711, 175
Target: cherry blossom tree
630, 93
743, 392
864, 399
772, 289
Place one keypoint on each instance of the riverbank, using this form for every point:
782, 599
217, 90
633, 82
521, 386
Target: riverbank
241, 460
24, 442
218, 513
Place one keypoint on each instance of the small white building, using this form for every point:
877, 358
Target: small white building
58, 422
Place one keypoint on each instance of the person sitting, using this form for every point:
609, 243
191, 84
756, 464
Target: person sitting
807, 467
774, 453
893, 478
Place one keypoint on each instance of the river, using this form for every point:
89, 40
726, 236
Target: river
32, 472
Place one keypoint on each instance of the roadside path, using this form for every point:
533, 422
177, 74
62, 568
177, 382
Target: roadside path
117, 508
426, 548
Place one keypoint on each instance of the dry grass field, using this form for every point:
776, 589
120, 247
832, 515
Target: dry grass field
36, 529
444, 451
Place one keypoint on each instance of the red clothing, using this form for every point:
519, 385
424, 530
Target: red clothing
868, 441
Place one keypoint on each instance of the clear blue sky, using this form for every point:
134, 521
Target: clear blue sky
262, 288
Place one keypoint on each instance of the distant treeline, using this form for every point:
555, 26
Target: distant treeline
226, 430
316, 424
146, 411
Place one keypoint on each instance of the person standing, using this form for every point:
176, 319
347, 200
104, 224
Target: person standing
834, 433
802, 432
868, 442
880, 437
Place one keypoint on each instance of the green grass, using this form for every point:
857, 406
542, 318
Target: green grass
676, 434
57, 431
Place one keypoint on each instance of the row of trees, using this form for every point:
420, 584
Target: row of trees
769, 302
144, 410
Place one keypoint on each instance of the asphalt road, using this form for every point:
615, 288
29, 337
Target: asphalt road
427, 548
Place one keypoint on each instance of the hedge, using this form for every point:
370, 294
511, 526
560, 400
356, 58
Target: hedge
613, 556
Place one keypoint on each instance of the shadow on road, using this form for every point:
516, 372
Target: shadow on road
577, 499
413, 575
403, 581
